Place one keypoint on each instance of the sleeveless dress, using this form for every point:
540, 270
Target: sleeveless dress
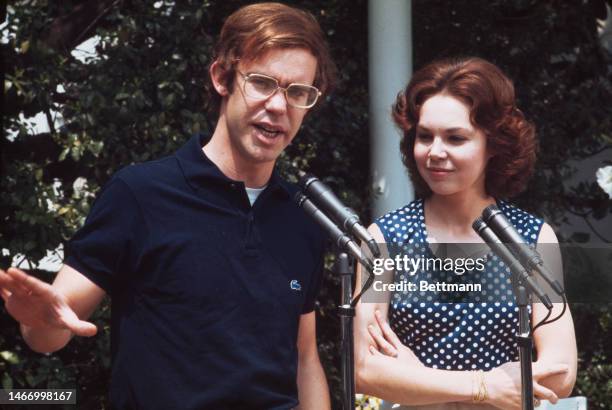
452, 330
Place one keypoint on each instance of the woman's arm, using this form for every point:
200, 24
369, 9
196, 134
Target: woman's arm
400, 377
370, 302
395, 373
386, 368
555, 342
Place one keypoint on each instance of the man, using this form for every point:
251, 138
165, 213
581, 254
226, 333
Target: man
211, 267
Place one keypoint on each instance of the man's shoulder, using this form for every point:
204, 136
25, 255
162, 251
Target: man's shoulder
145, 174
300, 220
291, 187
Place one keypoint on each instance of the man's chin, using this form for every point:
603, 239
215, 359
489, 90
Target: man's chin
262, 156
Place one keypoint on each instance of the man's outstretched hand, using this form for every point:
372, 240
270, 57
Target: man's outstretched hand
36, 304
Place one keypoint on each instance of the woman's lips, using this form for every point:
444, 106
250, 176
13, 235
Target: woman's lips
439, 172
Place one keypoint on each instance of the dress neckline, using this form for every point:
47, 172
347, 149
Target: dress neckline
425, 234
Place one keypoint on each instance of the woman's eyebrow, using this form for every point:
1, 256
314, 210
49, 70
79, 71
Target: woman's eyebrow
452, 129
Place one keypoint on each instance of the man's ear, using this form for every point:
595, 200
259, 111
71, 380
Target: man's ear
218, 78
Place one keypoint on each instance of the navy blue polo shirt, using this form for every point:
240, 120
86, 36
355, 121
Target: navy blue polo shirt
207, 290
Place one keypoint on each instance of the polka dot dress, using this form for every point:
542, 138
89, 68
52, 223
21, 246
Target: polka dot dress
455, 330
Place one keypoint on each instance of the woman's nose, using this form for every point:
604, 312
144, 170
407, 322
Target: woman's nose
437, 149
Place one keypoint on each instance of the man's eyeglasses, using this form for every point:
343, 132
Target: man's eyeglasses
260, 87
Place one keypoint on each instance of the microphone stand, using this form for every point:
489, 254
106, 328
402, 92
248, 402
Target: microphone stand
347, 313
346, 310
521, 281
524, 340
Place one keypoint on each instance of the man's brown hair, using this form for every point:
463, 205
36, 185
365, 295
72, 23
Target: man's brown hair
252, 30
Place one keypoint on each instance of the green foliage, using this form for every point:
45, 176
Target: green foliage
143, 94
139, 98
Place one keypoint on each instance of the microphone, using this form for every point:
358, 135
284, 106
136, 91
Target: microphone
342, 240
344, 216
529, 257
514, 265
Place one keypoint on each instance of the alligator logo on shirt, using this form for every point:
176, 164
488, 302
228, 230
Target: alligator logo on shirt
295, 285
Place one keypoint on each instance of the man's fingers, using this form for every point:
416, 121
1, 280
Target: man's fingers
5, 294
29, 282
544, 393
9, 283
385, 346
83, 328
77, 326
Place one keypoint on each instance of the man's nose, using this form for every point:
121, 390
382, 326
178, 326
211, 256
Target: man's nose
277, 102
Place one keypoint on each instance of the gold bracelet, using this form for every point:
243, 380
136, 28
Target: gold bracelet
483, 387
479, 387
475, 385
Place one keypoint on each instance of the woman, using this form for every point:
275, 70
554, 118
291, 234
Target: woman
466, 146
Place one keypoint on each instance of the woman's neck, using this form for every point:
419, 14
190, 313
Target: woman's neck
455, 214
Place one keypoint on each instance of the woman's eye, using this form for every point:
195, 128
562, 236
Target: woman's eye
423, 137
457, 138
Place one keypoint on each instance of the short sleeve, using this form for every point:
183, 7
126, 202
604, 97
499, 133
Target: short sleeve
109, 243
315, 285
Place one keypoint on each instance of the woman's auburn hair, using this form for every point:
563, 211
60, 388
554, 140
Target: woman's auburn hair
252, 30
490, 96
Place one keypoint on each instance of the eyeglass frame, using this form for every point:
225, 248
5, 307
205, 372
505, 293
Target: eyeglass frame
245, 77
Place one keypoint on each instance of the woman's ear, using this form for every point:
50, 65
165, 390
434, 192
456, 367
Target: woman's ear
218, 78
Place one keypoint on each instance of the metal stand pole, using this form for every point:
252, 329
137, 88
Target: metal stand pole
346, 313
525, 342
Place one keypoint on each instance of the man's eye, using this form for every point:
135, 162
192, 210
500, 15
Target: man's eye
262, 83
297, 92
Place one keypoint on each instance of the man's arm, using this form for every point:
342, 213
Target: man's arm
49, 315
313, 392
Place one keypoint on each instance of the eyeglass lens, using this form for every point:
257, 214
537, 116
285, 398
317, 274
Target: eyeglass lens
259, 86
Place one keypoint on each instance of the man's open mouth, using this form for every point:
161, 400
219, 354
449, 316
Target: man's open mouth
268, 132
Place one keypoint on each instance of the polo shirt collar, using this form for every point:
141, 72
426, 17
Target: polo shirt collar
200, 171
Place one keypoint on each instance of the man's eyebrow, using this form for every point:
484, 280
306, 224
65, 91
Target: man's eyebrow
281, 83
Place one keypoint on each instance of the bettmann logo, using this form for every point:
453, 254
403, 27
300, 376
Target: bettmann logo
295, 285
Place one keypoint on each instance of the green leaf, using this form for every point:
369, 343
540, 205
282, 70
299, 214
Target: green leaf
25, 46
96, 147
122, 96
30, 379
63, 154
7, 382
10, 357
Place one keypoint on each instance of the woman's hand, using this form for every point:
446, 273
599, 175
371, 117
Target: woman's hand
504, 384
36, 304
388, 343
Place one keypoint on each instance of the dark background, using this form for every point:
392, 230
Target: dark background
143, 96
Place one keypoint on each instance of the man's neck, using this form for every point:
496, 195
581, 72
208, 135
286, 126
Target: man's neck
235, 166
